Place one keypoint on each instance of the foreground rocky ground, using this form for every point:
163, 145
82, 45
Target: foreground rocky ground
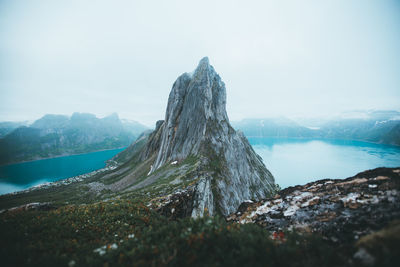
351, 222
342, 211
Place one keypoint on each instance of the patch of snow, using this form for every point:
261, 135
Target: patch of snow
291, 210
151, 168
245, 221
372, 186
100, 250
174, 162
131, 235
352, 197
261, 209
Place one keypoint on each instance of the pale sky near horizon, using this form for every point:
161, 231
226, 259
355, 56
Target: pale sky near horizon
289, 58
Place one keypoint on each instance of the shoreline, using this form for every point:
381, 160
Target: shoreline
65, 181
60, 156
321, 138
277, 137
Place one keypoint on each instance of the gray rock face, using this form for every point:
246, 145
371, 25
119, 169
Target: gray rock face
196, 124
193, 163
196, 103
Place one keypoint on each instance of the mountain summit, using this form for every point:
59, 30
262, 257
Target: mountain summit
195, 113
195, 148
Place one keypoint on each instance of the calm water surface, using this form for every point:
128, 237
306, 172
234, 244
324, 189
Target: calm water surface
21, 176
299, 161
291, 161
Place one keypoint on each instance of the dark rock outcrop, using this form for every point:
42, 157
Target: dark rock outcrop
340, 210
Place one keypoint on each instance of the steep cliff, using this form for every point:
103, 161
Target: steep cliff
196, 143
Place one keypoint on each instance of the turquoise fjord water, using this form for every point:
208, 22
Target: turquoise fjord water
21, 176
291, 161
299, 161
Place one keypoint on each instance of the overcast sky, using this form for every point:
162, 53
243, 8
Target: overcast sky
304, 58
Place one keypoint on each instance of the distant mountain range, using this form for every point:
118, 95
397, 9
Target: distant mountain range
372, 126
56, 135
273, 127
7, 127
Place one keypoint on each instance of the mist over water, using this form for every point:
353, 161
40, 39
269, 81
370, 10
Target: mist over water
300, 161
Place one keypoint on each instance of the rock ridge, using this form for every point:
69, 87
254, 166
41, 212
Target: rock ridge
224, 169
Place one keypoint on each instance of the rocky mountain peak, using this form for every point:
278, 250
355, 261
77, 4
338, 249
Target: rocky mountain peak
195, 103
214, 165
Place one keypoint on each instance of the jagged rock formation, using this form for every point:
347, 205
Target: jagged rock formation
215, 164
340, 210
195, 112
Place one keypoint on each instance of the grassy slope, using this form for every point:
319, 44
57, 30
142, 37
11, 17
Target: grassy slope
131, 234
78, 193
74, 232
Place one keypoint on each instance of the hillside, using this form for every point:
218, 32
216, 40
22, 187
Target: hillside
56, 135
358, 228
7, 127
274, 127
375, 126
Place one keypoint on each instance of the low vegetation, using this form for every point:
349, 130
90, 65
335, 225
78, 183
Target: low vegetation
130, 234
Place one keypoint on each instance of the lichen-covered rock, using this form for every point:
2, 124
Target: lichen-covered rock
341, 210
